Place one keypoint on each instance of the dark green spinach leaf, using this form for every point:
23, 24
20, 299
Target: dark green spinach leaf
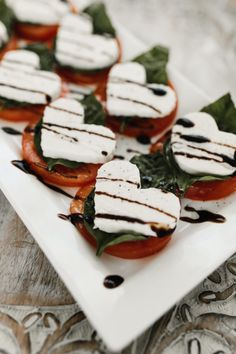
6, 16
101, 21
6, 103
46, 56
155, 62
93, 110
160, 170
105, 239
224, 112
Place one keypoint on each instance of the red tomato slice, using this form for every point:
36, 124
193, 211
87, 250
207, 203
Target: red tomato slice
98, 79
31, 113
126, 250
211, 190
62, 176
143, 126
36, 32
11, 45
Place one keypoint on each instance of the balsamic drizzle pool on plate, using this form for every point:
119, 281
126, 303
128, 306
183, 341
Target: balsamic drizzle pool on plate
11, 131
113, 281
203, 216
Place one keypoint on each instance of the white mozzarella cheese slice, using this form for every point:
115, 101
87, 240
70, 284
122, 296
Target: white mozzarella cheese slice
72, 23
64, 136
22, 60
3, 34
128, 94
121, 205
20, 81
40, 12
200, 148
79, 48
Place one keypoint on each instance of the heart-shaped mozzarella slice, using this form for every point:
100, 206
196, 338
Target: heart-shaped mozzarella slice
3, 34
24, 60
129, 94
21, 81
121, 205
79, 48
42, 12
199, 147
65, 136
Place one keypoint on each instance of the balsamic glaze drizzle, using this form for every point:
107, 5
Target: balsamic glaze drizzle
195, 138
144, 139
134, 202
73, 218
203, 216
50, 125
113, 281
24, 167
11, 131
185, 122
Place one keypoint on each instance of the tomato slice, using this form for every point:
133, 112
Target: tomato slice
126, 250
11, 45
143, 126
98, 79
31, 113
62, 176
211, 190
36, 32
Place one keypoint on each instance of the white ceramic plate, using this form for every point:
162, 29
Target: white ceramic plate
152, 285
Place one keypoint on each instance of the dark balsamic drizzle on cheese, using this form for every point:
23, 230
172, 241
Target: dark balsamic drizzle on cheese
225, 158
64, 110
136, 101
185, 122
195, 138
135, 202
117, 180
48, 98
24, 167
113, 281
63, 136
75, 129
156, 90
11, 131
203, 216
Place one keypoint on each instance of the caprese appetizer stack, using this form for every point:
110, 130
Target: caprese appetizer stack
86, 46
69, 144
38, 20
25, 90
199, 159
140, 99
120, 218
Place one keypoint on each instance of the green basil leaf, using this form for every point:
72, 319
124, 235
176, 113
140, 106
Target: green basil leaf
7, 103
160, 170
102, 238
52, 163
6, 16
101, 21
45, 54
224, 112
155, 62
93, 109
